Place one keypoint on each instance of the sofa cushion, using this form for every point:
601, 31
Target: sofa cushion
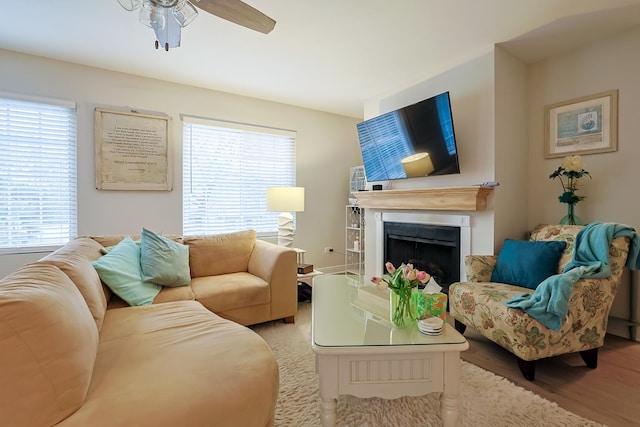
164, 261
527, 263
49, 342
179, 293
108, 240
220, 254
177, 364
74, 259
120, 270
230, 291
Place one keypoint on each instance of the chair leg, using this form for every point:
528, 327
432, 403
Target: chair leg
528, 368
590, 357
460, 327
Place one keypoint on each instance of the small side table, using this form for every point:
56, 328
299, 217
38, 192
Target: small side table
307, 277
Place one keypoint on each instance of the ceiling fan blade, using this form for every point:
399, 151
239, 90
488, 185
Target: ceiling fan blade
239, 13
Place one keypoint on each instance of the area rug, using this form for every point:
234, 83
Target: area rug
486, 399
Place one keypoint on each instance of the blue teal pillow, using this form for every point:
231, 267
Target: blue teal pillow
120, 270
164, 261
527, 263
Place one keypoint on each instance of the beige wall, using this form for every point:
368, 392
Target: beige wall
511, 154
326, 148
610, 63
607, 64
471, 89
498, 103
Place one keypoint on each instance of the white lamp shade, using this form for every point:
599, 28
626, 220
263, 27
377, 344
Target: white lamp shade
285, 199
418, 164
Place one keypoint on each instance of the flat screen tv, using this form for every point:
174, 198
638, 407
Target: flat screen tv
414, 141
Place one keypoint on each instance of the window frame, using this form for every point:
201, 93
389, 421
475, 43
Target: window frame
69, 187
244, 129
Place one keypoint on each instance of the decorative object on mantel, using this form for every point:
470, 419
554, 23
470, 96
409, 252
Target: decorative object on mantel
401, 283
572, 169
584, 125
471, 198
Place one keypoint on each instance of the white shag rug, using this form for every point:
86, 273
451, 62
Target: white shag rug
486, 399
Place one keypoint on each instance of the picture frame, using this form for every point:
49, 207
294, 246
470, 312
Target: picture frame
585, 125
133, 151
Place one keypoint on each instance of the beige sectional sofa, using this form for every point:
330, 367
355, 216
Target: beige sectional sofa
73, 354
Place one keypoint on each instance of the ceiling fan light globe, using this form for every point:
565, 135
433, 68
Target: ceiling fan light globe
152, 16
130, 5
165, 3
184, 13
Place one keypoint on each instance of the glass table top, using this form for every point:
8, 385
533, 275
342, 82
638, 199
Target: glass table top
349, 311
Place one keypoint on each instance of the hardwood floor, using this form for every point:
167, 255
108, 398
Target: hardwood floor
609, 394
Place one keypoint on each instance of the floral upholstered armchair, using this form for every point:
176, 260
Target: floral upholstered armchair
479, 303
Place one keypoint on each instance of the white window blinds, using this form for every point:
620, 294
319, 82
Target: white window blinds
37, 175
227, 169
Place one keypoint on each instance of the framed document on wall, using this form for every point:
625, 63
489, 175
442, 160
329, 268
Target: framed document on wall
133, 151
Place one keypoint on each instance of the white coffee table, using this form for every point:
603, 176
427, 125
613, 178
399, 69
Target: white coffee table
363, 355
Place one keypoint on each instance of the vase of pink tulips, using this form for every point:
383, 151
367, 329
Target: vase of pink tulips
401, 282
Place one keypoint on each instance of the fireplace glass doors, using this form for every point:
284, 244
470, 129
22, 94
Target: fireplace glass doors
432, 248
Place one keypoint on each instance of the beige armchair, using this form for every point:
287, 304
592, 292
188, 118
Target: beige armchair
480, 304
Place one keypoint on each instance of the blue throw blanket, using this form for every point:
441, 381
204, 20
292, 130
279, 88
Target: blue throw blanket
549, 303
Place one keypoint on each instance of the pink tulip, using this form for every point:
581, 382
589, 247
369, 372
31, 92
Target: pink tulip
406, 270
423, 277
376, 279
411, 275
390, 268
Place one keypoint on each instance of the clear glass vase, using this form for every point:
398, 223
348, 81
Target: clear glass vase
401, 311
571, 218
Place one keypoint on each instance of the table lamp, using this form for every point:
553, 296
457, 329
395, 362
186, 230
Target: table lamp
285, 200
418, 164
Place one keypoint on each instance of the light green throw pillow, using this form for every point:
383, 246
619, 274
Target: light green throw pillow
110, 248
120, 270
164, 261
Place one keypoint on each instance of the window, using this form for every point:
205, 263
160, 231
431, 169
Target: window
37, 175
227, 169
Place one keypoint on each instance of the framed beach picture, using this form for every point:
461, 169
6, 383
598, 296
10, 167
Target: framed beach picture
584, 125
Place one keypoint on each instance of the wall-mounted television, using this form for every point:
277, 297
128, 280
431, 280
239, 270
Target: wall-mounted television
414, 141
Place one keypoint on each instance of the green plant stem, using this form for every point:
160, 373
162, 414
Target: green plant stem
402, 314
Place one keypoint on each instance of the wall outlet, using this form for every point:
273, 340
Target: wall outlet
328, 250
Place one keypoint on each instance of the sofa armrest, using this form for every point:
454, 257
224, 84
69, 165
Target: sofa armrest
277, 265
480, 267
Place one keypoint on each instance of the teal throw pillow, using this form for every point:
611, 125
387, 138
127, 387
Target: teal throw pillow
120, 270
527, 263
164, 261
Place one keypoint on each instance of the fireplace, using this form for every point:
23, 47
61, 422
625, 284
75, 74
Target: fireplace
375, 236
432, 248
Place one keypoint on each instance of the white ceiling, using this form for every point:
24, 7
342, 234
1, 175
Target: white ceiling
330, 55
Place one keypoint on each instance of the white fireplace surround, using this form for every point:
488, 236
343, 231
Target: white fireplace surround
462, 221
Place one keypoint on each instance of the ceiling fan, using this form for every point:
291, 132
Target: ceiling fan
167, 17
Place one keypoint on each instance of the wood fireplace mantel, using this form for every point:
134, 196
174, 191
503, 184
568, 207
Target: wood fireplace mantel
473, 198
